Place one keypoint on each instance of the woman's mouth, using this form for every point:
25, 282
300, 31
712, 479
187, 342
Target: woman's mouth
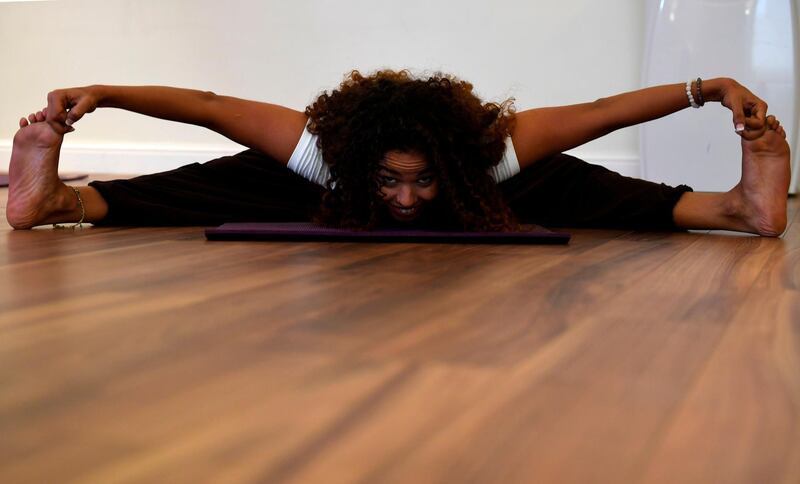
405, 212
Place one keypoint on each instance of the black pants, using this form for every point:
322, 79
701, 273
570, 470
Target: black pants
561, 191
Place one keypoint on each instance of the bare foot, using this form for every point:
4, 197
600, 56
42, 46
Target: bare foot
762, 192
36, 194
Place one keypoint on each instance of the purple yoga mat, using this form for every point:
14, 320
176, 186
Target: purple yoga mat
302, 231
64, 177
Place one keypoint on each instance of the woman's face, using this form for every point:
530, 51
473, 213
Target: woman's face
408, 183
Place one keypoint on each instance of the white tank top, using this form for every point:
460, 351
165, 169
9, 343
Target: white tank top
307, 161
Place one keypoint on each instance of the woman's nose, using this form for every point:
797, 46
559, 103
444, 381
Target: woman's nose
407, 196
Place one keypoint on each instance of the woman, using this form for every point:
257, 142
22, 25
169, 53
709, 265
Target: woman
400, 150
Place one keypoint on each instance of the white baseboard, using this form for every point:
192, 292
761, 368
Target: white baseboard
143, 159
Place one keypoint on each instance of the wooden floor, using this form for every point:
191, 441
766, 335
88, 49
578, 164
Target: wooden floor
151, 355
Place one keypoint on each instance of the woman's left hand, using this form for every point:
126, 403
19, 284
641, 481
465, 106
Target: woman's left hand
749, 111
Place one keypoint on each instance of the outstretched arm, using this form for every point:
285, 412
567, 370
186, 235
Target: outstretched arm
269, 128
546, 131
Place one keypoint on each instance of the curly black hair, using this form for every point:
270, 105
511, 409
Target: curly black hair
439, 117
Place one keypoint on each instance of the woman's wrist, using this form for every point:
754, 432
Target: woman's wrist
101, 95
714, 89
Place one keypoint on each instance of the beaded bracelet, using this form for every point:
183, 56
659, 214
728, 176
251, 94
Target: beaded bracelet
700, 100
692, 103
79, 223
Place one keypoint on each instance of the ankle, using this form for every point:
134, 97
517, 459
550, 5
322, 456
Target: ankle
65, 200
733, 204
63, 206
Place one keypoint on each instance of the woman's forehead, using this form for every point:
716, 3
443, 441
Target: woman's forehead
405, 161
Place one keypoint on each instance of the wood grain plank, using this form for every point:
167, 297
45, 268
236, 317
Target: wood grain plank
740, 421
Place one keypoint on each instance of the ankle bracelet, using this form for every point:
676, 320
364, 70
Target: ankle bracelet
79, 223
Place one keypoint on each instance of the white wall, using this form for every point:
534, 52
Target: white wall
286, 52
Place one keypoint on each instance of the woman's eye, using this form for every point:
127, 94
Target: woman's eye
425, 181
387, 180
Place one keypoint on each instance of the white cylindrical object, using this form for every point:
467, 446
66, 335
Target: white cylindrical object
753, 41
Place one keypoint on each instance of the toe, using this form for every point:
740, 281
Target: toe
23, 122
771, 121
32, 118
40, 117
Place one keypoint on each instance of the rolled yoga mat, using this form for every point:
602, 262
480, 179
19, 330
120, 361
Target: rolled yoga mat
65, 177
303, 231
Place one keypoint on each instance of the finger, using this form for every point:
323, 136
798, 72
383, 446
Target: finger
760, 110
739, 118
756, 109
752, 123
57, 105
753, 129
77, 111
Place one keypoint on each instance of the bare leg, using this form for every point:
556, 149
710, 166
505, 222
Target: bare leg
36, 196
757, 204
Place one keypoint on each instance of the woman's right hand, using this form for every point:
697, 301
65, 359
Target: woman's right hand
66, 107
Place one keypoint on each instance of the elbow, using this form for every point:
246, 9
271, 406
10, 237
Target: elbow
209, 99
210, 105
601, 104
